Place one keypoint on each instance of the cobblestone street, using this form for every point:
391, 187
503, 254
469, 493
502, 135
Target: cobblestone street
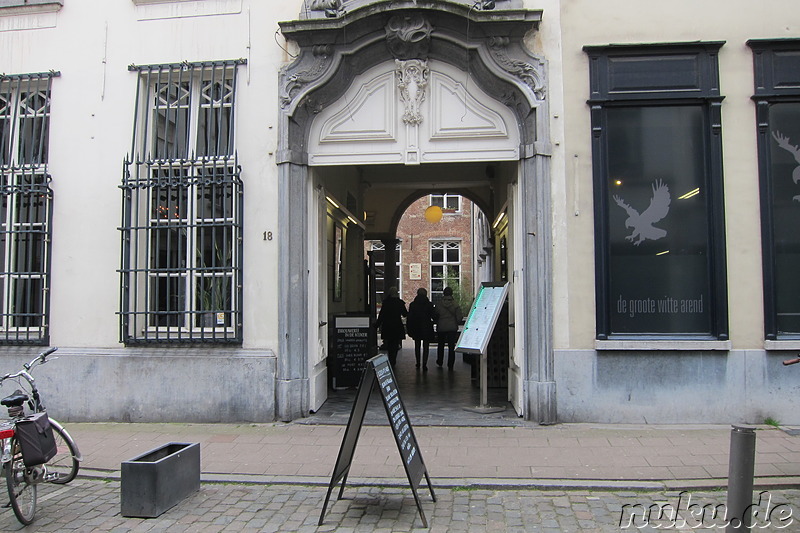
94, 505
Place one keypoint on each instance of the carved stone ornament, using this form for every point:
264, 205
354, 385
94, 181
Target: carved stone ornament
323, 5
408, 36
293, 83
412, 80
527, 73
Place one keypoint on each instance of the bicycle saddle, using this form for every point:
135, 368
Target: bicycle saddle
16, 399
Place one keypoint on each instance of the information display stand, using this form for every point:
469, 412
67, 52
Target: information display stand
379, 371
351, 347
478, 330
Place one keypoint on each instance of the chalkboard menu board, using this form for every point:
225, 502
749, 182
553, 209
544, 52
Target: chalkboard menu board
378, 370
482, 318
398, 418
351, 347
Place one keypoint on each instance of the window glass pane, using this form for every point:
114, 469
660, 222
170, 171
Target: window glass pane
33, 127
168, 204
5, 128
215, 202
453, 274
31, 205
452, 202
214, 296
215, 118
4, 267
784, 120
380, 256
170, 139
29, 252
26, 303
215, 250
659, 273
437, 284
452, 254
167, 300
168, 248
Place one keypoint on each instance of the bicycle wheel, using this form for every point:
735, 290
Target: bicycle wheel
65, 463
21, 493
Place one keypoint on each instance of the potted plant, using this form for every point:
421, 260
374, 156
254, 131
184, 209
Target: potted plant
213, 290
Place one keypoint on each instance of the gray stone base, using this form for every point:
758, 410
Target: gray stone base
154, 384
673, 387
542, 404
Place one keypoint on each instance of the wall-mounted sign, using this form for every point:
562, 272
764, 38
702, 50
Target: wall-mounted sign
415, 271
351, 349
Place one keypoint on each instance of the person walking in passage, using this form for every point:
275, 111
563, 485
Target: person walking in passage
449, 317
421, 316
390, 323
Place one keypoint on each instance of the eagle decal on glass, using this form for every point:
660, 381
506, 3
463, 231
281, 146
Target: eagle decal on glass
783, 142
642, 224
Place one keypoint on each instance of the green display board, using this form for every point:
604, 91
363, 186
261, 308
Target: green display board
482, 318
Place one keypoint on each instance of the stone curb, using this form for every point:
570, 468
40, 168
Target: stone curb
759, 483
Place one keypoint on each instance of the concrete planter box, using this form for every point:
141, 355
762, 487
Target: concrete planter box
159, 479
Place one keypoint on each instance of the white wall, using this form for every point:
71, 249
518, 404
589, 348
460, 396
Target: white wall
92, 43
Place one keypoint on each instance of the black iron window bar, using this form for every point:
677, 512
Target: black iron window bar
26, 208
181, 267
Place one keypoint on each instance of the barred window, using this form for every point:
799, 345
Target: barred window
182, 216
25, 208
445, 267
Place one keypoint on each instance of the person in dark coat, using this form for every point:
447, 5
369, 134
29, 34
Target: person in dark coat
449, 317
421, 316
390, 323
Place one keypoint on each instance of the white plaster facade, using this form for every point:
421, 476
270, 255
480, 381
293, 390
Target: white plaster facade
92, 44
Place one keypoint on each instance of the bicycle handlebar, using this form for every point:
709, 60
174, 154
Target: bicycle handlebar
39, 359
791, 361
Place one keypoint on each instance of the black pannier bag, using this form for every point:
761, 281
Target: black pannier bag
36, 439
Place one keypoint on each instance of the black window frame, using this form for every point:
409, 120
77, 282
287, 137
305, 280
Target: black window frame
658, 74
776, 81
182, 189
26, 210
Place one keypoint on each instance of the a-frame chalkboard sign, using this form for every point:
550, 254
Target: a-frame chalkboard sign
379, 371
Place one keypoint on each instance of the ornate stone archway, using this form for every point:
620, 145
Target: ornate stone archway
489, 46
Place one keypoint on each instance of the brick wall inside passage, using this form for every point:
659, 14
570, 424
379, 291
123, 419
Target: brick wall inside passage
416, 234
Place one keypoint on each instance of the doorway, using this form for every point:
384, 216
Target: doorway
460, 250
404, 92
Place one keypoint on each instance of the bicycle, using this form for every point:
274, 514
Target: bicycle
22, 479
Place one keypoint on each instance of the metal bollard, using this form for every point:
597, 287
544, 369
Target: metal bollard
741, 466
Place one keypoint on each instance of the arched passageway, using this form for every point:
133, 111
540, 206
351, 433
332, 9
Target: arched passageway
411, 87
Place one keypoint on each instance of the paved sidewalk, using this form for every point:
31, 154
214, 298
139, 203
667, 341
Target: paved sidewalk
93, 505
565, 455
557, 479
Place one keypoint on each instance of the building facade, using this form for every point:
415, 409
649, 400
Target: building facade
188, 186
